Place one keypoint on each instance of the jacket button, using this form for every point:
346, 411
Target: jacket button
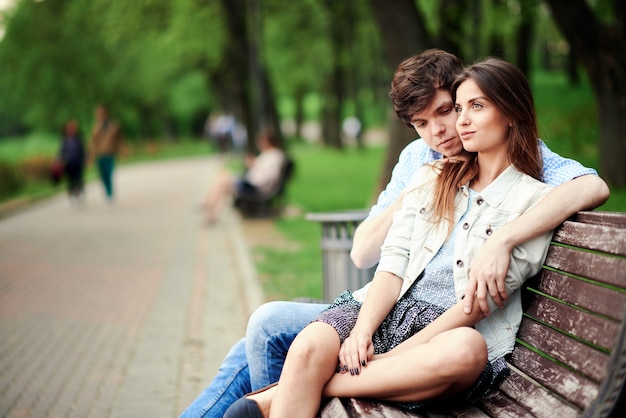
465, 225
423, 210
479, 201
489, 231
459, 263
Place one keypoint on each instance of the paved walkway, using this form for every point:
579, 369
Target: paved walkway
122, 311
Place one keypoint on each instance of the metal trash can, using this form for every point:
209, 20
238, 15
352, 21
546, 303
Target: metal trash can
340, 273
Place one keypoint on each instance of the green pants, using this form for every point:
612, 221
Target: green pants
106, 164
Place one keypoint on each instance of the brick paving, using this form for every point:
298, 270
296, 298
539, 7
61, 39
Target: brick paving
122, 311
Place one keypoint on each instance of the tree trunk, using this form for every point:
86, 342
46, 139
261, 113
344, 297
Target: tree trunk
599, 48
236, 65
404, 34
524, 34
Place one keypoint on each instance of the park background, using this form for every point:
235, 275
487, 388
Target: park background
163, 67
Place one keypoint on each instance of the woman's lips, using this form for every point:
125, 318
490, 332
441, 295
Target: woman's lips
466, 135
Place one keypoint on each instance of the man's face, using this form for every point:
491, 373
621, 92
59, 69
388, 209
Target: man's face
436, 125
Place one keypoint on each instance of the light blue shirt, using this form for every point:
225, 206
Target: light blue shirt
556, 170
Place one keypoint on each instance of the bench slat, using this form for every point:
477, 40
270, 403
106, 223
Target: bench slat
592, 328
498, 404
612, 219
594, 266
534, 398
575, 354
588, 296
334, 408
572, 387
592, 236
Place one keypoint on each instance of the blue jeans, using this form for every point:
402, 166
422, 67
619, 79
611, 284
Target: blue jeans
257, 360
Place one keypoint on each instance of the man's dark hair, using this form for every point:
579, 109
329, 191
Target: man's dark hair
418, 78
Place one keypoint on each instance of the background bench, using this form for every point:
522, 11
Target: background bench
570, 355
255, 206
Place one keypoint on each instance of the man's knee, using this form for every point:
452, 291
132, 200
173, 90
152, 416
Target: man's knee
265, 316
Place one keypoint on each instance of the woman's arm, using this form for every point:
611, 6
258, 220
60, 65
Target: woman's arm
357, 349
488, 272
450, 319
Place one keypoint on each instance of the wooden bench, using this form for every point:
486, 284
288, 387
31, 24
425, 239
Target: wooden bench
255, 206
570, 355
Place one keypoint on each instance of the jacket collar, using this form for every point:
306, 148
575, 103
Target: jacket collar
497, 190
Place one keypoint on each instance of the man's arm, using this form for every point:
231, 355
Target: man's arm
492, 260
370, 235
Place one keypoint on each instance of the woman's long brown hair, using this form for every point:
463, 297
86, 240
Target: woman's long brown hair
506, 86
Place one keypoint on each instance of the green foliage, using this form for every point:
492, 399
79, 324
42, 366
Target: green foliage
59, 59
568, 120
10, 180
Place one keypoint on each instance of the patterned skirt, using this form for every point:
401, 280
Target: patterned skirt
407, 317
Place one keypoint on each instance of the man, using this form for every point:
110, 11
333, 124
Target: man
420, 93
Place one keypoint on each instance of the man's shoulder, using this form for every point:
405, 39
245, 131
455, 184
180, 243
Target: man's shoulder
417, 151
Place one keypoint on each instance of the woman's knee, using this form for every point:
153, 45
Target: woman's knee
463, 349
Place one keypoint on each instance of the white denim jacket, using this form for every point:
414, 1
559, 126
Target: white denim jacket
413, 240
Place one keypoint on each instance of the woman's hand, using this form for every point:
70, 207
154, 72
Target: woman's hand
355, 352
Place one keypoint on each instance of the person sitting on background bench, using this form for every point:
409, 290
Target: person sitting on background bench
261, 178
420, 93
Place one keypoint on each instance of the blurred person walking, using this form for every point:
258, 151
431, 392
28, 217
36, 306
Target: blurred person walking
105, 143
72, 156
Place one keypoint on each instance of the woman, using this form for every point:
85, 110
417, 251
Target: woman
72, 155
261, 178
404, 338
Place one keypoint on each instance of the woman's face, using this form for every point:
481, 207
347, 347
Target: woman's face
71, 128
481, 125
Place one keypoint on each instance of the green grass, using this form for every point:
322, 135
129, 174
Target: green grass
325, 180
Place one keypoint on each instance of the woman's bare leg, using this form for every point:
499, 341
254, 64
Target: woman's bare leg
449, 363
221, 191
311, 361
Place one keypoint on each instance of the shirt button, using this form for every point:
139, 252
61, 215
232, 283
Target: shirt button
465, 225
489, 231
479, 201
459, 263
423, 210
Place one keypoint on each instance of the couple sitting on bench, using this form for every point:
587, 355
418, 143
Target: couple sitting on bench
427, 326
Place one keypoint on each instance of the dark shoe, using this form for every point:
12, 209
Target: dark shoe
246, 408
243, 408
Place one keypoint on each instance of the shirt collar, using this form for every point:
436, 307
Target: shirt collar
495, 192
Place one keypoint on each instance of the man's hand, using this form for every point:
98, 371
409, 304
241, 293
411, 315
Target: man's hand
487, 275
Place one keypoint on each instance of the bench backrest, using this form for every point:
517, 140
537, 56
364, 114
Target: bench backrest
570, 356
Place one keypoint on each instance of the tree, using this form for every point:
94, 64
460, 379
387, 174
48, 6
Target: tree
598, 46
404, 34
